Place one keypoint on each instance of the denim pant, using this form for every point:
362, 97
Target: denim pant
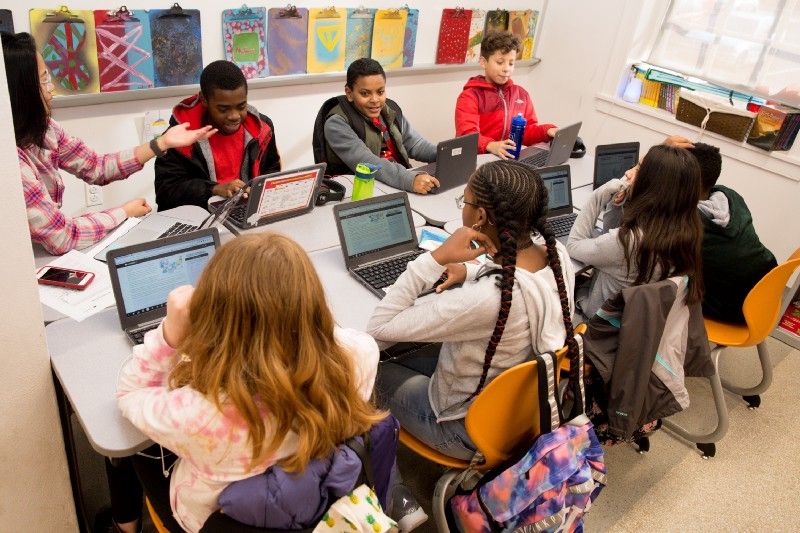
402, 387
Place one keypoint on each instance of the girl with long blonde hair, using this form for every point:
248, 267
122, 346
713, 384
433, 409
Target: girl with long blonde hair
247, 371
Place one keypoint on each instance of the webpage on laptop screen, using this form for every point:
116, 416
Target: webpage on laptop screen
146, 278
375, 227
613, 164
557, 189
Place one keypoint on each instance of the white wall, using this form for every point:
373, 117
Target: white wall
35, 493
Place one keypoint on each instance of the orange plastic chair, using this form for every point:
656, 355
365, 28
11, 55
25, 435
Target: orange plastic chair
761, 311
503, 415
157, 523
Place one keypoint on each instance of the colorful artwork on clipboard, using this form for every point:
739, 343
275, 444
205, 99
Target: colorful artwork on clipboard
287, 40
496, 20
519, 26
326, 39
6, 21
244, 40
527, 44
177, 54
358, 35
388, 37
476, 26
124, 50
410, 37
453, 36
66, 39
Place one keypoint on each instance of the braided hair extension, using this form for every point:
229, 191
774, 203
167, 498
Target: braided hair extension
513, 198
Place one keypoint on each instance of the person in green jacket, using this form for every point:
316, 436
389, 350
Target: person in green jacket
734, 259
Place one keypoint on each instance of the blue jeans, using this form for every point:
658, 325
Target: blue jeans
402, 387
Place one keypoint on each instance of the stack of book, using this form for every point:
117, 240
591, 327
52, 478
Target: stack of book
775, 128
668, 97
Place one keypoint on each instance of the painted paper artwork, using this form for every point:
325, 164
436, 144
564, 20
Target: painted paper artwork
453, 36
496, 20
66, 40
476, 26
287, 40
388, 37
6, 21
358, 35
124, 50
527, 44
326, 39
244, 40
177, 55
518, 22
410, 38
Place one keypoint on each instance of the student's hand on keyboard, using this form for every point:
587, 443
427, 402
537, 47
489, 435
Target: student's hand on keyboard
454, 274
423, 183
226, 190
552, 132
501, 149
136, 208
176, 324
458, 248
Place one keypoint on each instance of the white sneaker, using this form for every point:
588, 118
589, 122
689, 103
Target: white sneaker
404, 509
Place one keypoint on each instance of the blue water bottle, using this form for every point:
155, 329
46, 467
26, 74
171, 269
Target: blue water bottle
517, 133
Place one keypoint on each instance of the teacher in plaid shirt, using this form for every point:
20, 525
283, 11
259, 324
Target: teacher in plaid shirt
44, 148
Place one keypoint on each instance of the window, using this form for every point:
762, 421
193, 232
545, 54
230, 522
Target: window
748, 45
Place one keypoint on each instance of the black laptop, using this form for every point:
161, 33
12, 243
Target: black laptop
456, 160
561, 215
612, 160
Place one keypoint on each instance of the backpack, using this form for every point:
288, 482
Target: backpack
354, 119
550, 485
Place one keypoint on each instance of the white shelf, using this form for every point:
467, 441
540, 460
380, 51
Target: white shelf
259, 83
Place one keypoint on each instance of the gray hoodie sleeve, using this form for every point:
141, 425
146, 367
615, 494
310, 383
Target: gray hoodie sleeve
416, 145
352, 150
603, 251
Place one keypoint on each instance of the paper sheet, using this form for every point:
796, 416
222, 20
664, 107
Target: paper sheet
75, 304
155, 124
109, 239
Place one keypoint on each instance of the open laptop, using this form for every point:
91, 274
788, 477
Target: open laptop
560, 148
561, 215
378, 239
612, 160
277, 196
456, 160
143, 275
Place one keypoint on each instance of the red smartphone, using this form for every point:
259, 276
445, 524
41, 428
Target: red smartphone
64, 277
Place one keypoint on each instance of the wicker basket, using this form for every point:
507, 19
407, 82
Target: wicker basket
722, 117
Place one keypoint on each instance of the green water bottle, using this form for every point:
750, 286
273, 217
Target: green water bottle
364, 182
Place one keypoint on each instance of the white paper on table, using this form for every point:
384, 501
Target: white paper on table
109, 239
75, 304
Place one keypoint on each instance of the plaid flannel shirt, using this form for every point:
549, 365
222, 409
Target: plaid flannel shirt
43, 188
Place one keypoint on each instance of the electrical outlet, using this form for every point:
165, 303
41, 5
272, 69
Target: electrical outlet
94, 195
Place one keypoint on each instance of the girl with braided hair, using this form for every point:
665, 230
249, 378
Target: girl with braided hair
518, 304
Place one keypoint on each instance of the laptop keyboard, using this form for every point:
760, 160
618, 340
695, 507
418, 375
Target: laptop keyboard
561, 225
385, 273
536, 160
238, 214
178, 228
138, 336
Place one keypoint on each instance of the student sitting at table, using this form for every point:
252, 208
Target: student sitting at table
246, 371
518, 304
44, 148
489, 102
243, 149
366, 127
659, 235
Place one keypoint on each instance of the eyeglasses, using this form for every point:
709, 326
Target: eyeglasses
46, 80
460, 202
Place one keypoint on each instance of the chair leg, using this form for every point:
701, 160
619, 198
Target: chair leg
751, 394
444, 490
705, 443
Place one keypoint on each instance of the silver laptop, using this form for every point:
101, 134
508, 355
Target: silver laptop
378, 239
561, 215
560, 148
612, 160
277, 196
456, 160
143, 275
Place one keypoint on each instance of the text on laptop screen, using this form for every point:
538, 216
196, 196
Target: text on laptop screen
287, 192
613, 164
557, 183
147, 277
375, 227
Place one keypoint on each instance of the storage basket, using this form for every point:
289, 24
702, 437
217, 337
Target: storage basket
714, 114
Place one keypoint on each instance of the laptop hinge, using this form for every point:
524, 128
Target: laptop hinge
147, 325
415, 251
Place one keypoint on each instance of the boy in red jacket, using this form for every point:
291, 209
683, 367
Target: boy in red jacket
489, 102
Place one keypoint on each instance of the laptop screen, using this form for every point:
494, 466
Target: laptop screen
285, 193
558, 187
611, 161
375, 227
146, 277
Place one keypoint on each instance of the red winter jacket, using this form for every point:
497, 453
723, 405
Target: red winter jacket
488, 109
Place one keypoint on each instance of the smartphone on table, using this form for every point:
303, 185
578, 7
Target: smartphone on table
64, 277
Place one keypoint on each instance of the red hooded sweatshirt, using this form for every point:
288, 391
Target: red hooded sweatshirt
487, 108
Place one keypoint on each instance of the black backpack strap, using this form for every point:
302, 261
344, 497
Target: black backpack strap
549, 408
354, 118
362, 451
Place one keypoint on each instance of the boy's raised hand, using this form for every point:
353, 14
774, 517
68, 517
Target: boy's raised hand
501, 149
176, 324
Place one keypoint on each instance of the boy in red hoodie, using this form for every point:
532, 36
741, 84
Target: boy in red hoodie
244, 148
489, 102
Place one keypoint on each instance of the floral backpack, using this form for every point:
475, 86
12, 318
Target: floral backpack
551, 484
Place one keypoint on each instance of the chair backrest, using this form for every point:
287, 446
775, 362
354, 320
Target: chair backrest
763, 303
506, 413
